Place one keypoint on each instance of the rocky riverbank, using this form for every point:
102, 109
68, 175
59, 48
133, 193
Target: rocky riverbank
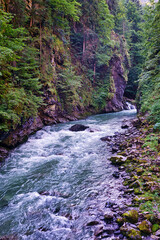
137, 152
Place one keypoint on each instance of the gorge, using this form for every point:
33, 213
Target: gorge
61, 64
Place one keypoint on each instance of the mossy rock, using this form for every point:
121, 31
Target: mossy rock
135, 184
131, 216
118, 160
134, 235
145, 227
137, 191
139, 171
131, 233
155, 227
156, 127
120, 221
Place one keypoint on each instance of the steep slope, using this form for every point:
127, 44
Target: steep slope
68, 64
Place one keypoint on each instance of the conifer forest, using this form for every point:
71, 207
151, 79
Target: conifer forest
79, 119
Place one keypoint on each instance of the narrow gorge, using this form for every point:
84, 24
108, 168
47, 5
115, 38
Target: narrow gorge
79, 119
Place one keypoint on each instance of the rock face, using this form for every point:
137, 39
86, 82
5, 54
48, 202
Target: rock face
119, 65
21, 133
116, 103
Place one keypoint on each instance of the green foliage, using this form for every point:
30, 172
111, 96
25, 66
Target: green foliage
105, 21
157, 127
19, 76
133, 32
66, 8
103, 55
104, 92
149, 84
151, 141
155, 227
68, 88
151, 206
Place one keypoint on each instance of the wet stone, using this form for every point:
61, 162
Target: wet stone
116, 174
109, 229
107, 138
157, 233
98, 230
92, 223
78, 127
117, 232
109, 204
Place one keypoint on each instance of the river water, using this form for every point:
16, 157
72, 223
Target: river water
58, 181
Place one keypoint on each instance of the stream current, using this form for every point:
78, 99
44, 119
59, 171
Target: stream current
58, 181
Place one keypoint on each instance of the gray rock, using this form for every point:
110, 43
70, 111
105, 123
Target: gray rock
78, 127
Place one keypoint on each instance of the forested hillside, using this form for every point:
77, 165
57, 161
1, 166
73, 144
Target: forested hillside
149, 83
62, 60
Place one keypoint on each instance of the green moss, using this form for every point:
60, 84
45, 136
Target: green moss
131, 233
131, 216
120, 221
134, 235
155, 227
145, 227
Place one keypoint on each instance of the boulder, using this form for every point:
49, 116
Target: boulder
107, 138
130, 232
145, 227
98, 230
116, 174
78, 127
3, 153
131, 216
125, 124
108, 216
118, 160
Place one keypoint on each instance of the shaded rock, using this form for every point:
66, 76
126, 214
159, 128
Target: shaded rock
116, 174
118, 73
136, 122
114, 149
145, 227
131, 216
107, 138
108, 216
118, 160
78, 127
92, 222
20, 135
125, 124
109, 228
135, 184
3, 153
120, 221
98, 230
130, 232
109, 204
45, 193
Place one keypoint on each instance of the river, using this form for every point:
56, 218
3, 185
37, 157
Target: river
52, 186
